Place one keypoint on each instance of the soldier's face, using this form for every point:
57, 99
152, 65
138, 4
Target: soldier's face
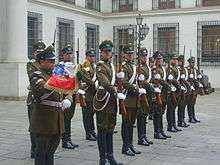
174, 61
67, 56
91, 58
159, 61
143, 59
48, 64
130, 57
106, 54
180, 63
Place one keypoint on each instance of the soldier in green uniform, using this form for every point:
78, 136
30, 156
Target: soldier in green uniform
132, 102
47, 119
105, 105
183, 92
142, 115
194, 85
67, 54
172, 95
32, 66
87, 88
159, 80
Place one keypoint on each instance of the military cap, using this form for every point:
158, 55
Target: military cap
191, 59
128, 49
157, 55
181, 58
91, 53
68, 49
143, 52
39, 46
47, 54
106, 45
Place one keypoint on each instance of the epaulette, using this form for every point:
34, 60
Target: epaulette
37, 72
100, 62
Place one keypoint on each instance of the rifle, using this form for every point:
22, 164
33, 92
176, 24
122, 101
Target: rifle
82, 99
122, 109
143, 97
54, 37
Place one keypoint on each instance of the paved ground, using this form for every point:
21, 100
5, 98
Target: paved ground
197, 145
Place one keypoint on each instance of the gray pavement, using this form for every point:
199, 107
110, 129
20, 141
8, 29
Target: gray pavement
197, 145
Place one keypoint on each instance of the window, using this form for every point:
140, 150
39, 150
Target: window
209, 42
166, 4
65, 34
34, 31
121, 38
124, 5
69, 1
166, 38
92, 38
207, 2
93, 4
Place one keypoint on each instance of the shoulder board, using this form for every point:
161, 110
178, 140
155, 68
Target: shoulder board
100, 62
32, 61
37, 72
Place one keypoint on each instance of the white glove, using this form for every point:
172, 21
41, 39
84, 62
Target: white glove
134, 85
121, 96
141, 77
81, 92
183, 88
170, 77
157, 77
173, 89
200, 85
142, 91
183, 76
199, 76
157, 90
191, 76
192, 88
66, 104
120, 75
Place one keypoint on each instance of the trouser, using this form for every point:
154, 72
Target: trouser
127, 127
88, 120
191, 111
68, 115
32, 136
171, 116
141, 126
105, 144
181, 113
46, 146
158, 120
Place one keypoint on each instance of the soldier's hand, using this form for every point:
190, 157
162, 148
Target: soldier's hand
66, 104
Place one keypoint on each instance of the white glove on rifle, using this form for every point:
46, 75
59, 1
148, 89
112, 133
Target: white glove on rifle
142, 91
200, 85
141, 77
66, 104
199, 76
192, 88
121, 96
120, 75
173, 89
157, 90
183, 88
81, 92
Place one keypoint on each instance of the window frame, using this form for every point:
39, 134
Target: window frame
97, 36
116, 6
165, 25
155, 5
39, 34
96, 5
200, 25
72, 39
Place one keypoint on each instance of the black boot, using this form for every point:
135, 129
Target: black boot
193, 114
101, 140
132, 148
125, 138
190, 113
174, 121
161, 127
170, 128
141, 129
157, 134
175, 127
185, 124
110, 156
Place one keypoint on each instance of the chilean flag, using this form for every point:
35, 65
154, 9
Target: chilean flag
63, 79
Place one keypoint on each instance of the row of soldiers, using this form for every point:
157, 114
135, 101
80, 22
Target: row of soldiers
138, 89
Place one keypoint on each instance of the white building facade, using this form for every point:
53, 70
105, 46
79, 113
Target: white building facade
174, 24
